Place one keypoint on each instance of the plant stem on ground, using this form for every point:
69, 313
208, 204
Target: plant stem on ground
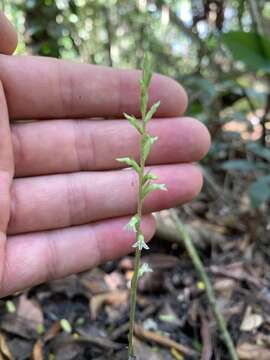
191, 249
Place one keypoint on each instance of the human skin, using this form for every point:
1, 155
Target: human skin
64, 197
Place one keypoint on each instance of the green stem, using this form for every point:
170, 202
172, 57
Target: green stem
135, 277
208, 287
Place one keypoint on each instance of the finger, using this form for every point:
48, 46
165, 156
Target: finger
8, 39
48, 88
6, 173
94, 145
50, 202
38, 257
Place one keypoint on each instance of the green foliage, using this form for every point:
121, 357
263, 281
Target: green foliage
148, 188
239, 165
259, 191
148, 142
134, 122
130, 162
259, 150
250, 48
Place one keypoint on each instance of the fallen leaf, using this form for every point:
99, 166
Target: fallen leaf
30, 311
5, 352
251, 321
15, 325
94, 281
144, 351
53, 331
115, 281
161, 261
70, 286
248, 351
225, 287
115, 298
37, 353
235, 271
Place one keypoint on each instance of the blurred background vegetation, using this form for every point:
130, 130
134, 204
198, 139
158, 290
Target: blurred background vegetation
219, 50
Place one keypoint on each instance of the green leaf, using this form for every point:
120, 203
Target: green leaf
130, 162
145, 268
152, 187
151, 112
148, 142
259, 150
140, 243
250, 48
147, 71
134, 122
149, 177
131, 225
259, 191
144, 99
145, 82
239, 165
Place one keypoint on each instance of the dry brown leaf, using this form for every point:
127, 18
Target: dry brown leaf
37, 353
155, 261
31, 311
235, 271
53, 331
248, 351
251, 321
115, 281
94, 281
144, 351
161, 261
225, 287
115, 298
5, 352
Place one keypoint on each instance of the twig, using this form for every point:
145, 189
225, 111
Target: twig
208, 287
100, 341
163, 340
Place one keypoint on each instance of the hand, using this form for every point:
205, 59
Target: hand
8, 39
69, 199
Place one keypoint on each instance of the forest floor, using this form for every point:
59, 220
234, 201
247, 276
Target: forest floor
86, 316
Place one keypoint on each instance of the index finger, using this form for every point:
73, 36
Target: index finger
38, 87
8, 38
